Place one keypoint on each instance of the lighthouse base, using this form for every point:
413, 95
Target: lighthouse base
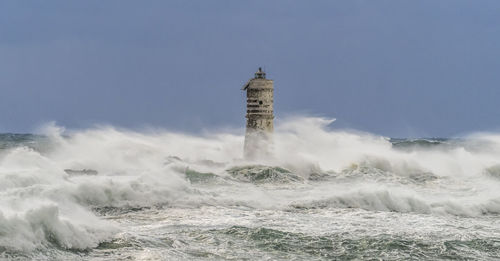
258, 145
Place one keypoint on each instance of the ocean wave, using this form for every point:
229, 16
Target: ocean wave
312, 167
281, 244
404, 202
45, 227
263, 174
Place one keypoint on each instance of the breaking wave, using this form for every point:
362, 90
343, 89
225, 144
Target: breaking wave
57, 187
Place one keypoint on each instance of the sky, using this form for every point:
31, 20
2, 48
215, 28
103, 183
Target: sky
428, 68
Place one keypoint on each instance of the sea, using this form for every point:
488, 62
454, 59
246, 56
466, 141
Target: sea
106, 193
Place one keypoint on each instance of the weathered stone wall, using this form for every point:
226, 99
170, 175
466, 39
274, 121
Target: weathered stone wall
260, 105
260, 117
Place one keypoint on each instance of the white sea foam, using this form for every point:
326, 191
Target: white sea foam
42, 205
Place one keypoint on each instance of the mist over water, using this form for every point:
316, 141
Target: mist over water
325, 194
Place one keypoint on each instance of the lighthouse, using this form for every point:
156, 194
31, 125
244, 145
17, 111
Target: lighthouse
259, 116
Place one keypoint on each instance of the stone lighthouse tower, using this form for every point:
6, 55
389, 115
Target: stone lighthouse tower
258, 137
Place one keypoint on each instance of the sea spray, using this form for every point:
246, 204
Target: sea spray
155, 191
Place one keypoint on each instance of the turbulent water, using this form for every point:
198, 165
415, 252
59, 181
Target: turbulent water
108, 194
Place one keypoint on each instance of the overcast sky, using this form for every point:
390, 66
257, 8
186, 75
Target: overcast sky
395, 68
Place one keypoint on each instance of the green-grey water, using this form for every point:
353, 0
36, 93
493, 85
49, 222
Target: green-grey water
107, 194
